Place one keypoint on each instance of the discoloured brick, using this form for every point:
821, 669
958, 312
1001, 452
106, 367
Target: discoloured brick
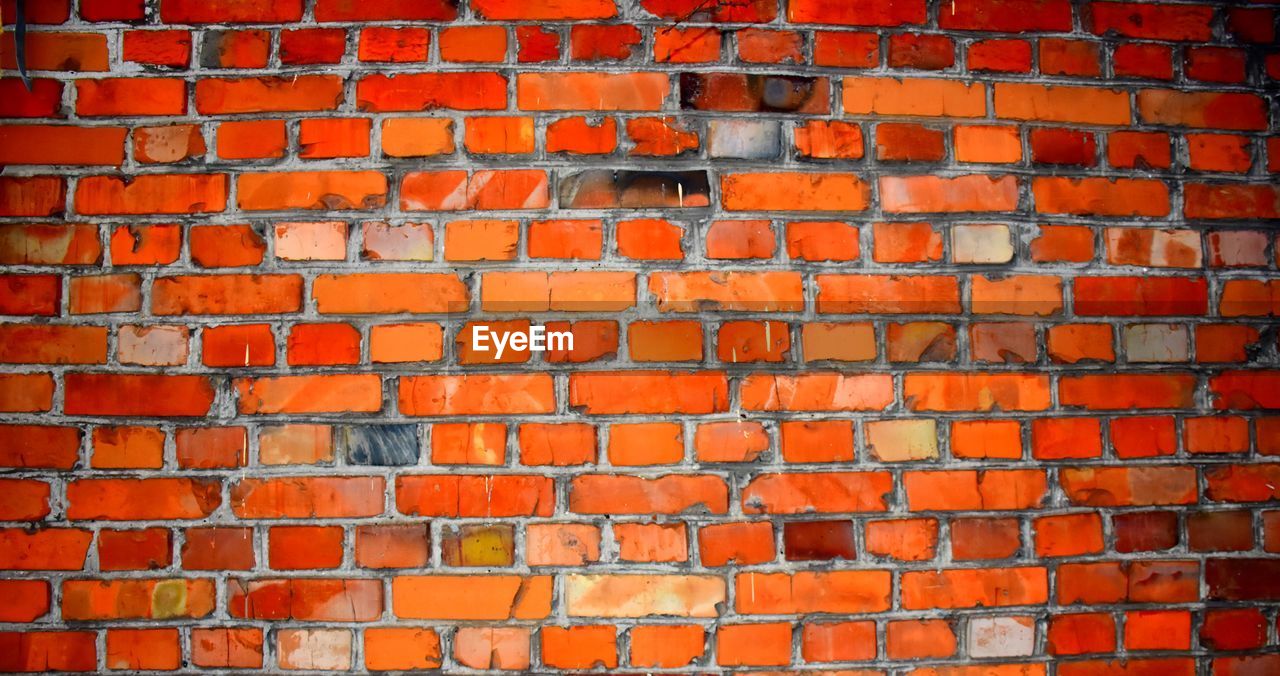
379, 444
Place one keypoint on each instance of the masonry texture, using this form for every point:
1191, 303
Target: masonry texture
911, 337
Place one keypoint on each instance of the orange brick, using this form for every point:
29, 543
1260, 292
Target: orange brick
917, 97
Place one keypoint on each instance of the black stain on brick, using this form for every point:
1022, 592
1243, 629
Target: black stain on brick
379, 444
606, 188
211, 50
734, 92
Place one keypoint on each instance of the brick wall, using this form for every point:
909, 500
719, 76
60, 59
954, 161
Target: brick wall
910, 337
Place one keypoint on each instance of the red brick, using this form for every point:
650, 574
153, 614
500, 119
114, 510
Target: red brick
927, 52
1135, 149
165, 48
816, 591
1121, 391
743, 543
393, 546
1081, 633
137, 395
38, 446
908, 143
47, 549
893, 294
1251, 24
671, 494
666, 646
956, 588
355, 393
591, 91
32, 195
305, 599
1063, 146
1244, 389
314, 497
1079, 58
1215, 64
238, 647
1061, 438
686, 45
43, 100
1060, 103
142, 499
26, 393
1011, 16
322, 139
766, 46
42, 650
577, 135
112, 10
828, 140
471, 495
226, 294
385, 10
499, 135
601, 43
454, 190
393, 648
131, 96
327, 190
753, 644
919, 639
307, 46
304, 547
144, 549
50, 144
146, 245
1099, 196
394, 45
932, 194
817, 492
838, 641
474, 44
1144, 60
28, 600
1213, 110
500, 10
218, 549
579, 647
1000, 56
903, 539
984, 539
28, 344
730, 442
846, 50
424, 91
857, 12
476, 394
928, 97
222, 96
231, 11
1155, 21
152, 194
212, 447
970, 490
23, 499
1255, 202
1140, 296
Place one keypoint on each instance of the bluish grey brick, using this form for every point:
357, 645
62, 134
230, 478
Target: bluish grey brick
745, 139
